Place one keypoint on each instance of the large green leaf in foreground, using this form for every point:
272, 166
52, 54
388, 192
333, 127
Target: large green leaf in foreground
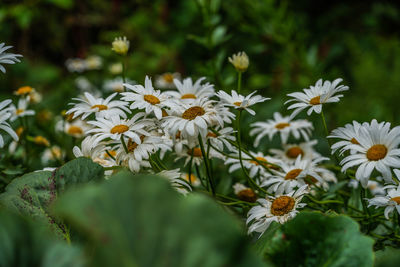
140, 221
315, 239
26, 244
32, 194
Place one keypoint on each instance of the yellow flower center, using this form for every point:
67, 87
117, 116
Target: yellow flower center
40, 140
111, 152
211, 134
74, 130
282, 125
193, 112
19, 111
354, 141
120, 128
259, 159
151, 99
19, 131
396, 199
294, 152
132, 145
164, 113
24, 90
376, 152
100, 107
315, 100
192, 179
282, 205
237, 103
168, 78
195, 152
247, 195
188, 96
293, 174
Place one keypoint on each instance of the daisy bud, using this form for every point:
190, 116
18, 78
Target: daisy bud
120, 45
240, 61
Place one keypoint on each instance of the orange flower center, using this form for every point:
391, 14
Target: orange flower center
168, 77
354, 141
188, 96
120, 128
293, 174
261, 159
315, 100
192, 179
19, 111
164, 113
193, 112
74, 130
195, 152
282, 125
396, 199
282, 205
294, 152
211, 134
111, 152
376, 152
247, 195
100, 107
151, 99
40, 140
132, 145
24, 90
237, 103
310, 180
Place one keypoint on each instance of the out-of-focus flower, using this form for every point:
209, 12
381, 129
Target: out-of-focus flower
40, 140
22, 109
94, 62
240, 61
166, 80
116, 68
120, 45
75, 65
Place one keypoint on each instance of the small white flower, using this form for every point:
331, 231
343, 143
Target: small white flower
316, 96
290, 152
5, 114
240, 61
51, 154
282, 125
115, 85
76, 128
103, 108
293, 175
116, 127
7, 58
377, 149
187, 91
22, 109
75, 65
391, 200
241, 102
84, 85
116, 68
373, 186
221, 138
244, 193
166, 80
277, 209
93, 62
147, 98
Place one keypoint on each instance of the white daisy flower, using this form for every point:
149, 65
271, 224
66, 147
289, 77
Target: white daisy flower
377, 149
51, 154
316, 96
241, 102
221, 138
192, 119
391, 200
293, 175
277, 209
252, 165
116, 127
93, 62
244, 193
375, 187
75, 65
147, 98
187, 91
22, 109
282, 125
194, 181
174, 176
187, 153
166, 80
290, 152
77, 128
348, 134
5, 114
103, 108
7, 58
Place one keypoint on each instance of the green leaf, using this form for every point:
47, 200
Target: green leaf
141, 221
315, 239
24, 243
32, 194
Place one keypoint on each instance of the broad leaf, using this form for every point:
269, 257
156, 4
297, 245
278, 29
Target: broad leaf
140, 221
32, 193
315, 239
24, 243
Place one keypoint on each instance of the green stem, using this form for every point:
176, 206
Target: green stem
109, 154
124, 68
206, 163
124, 145
239, 85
